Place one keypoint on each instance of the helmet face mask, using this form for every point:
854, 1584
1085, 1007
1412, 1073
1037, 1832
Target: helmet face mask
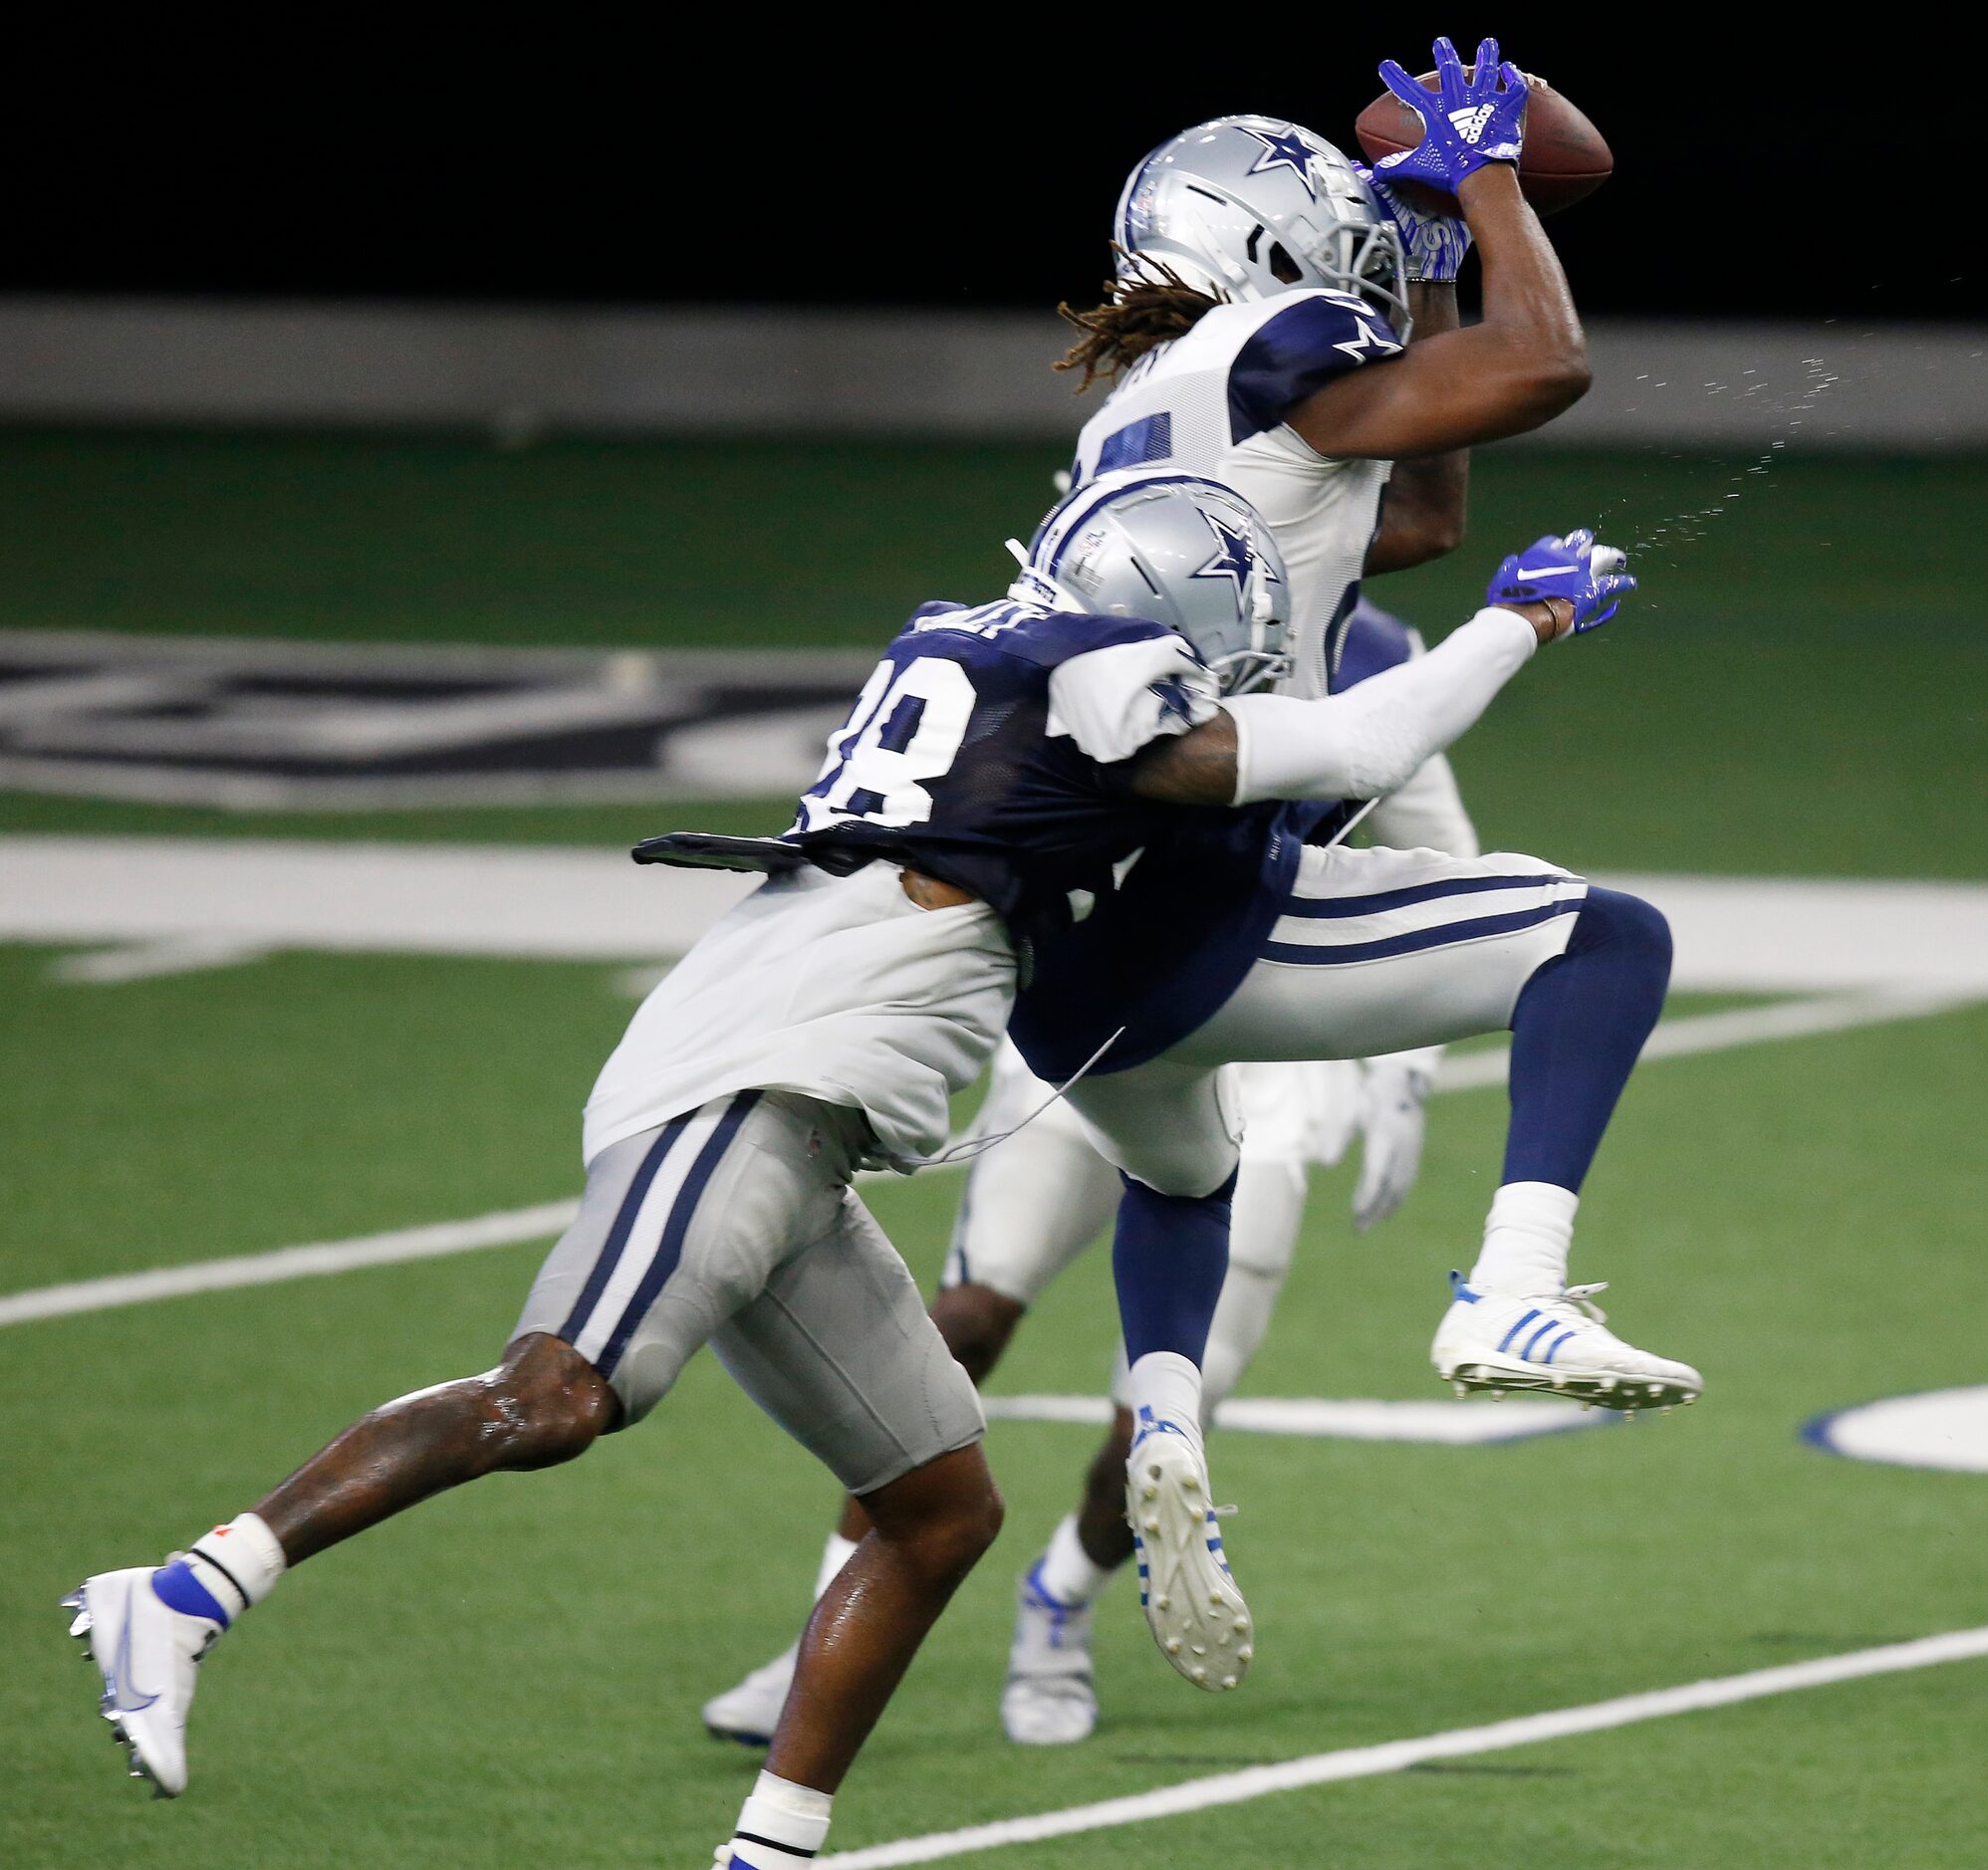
1176, 550
1248, 207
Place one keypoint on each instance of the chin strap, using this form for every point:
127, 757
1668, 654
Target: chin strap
1262, 604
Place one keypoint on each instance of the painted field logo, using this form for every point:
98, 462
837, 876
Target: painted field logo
276, 726
1938, 1428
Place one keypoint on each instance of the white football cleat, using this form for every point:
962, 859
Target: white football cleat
1192, 1604
1556, 1343
749, 1712
1049, 1699
148, 1653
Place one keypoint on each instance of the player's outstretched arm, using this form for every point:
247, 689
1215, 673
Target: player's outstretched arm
1527, 360
1372, 739
1422, 517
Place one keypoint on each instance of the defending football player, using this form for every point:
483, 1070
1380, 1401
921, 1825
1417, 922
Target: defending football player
1036, 1202
1285, 323
997, 770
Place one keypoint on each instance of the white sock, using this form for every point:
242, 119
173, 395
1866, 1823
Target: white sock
1170, 1386
1067, 1572
1527, 1238
835, 1555
238, 1563
782, 1824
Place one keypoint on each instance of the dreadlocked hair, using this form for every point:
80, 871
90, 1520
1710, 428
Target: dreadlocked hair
1148, 304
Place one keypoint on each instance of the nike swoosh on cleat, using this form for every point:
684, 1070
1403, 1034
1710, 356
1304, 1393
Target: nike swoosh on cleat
1550, 570
124, 1699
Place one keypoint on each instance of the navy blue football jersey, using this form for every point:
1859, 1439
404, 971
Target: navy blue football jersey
1165, 949
987, 750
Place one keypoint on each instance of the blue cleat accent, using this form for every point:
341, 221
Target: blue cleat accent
1505, 1343
1150, 1423
1060, 1613
177, 1587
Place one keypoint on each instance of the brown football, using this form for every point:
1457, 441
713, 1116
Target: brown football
1565, 158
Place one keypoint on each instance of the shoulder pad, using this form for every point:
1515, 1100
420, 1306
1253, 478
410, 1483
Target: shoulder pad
1308, 338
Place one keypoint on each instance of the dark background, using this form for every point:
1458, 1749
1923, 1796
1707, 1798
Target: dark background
710, 158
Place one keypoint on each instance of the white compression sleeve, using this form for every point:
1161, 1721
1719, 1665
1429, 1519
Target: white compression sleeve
1370, 739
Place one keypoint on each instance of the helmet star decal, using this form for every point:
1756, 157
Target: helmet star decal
1284, 148
1234, 560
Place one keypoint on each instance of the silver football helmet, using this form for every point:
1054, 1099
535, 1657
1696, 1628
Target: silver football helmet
1246, 207
1172, 547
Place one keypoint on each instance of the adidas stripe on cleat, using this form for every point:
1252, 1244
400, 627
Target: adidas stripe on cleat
1554, 1345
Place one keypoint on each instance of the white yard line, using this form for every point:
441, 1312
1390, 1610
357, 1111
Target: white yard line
1360, 1762
1703, 1033
312, 1260
1696, 1032
1341, 1418
1733, 934
512, 902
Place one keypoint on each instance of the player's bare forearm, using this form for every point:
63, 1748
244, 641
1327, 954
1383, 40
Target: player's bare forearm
1422, 517
1527, 300
1518, 369
1197, 768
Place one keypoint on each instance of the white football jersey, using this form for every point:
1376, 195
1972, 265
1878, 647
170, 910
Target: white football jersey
1213, 402
833, 987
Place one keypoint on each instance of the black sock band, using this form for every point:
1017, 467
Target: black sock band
207, 1557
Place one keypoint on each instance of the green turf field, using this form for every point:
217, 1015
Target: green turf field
1804, 689
511, 1675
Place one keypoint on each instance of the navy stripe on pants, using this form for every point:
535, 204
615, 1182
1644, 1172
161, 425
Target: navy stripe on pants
669, 1249
1412, 893
1343, 954
617, 1235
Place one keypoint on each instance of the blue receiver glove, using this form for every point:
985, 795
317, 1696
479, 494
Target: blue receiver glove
1473, 122
1589, 576
1434, 242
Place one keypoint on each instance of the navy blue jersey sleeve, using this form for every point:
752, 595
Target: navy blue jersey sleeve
1299, 350
983, 751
